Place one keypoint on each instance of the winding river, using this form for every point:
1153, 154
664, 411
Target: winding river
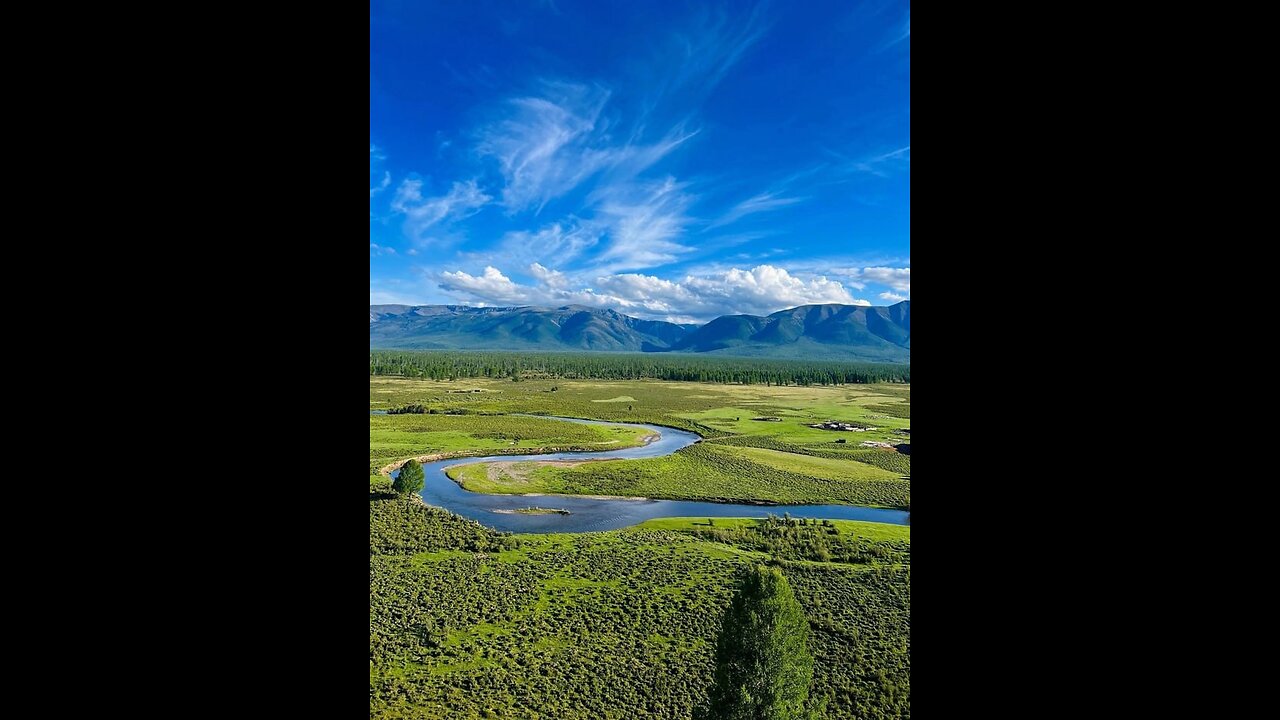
593, 514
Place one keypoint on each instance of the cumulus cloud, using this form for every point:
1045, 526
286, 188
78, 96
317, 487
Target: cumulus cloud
758, 291
766, 286
551, 278
492, 286
892, 297
463, 200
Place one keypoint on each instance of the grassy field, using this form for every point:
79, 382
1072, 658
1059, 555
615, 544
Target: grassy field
783, 461
710, 410
470, 623
700, 472
397, 437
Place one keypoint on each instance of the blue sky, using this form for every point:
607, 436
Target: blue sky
670, 160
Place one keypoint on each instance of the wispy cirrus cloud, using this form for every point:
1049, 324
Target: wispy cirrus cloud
559, 242
421, 213
375, 159
762, 202
760, 290
566, 137
634, 225
644, 221
904, 33
880, 165
543, 147
548, 144
714, 43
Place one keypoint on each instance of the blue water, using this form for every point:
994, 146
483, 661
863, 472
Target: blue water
590, 514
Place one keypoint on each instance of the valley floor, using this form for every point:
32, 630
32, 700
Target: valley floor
468, 622
781, 459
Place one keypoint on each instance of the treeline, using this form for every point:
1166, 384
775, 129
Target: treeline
452, 365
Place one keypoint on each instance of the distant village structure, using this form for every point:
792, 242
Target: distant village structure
840, 426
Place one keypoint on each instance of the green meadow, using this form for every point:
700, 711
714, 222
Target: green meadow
744, 459
468, 622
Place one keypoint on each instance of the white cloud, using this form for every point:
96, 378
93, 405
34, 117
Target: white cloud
492, 286
643, 220
377, 249
766, 288
759, 291
551, 278
896, 278
560, 242
902, 34
375, 157
550, 143
892, 297
713, 46
463, 200
881, 165
635, 225
763, 202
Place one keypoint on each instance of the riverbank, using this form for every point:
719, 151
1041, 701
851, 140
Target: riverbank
461, 454
660, 472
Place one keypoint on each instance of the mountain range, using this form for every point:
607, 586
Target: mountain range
854, 332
